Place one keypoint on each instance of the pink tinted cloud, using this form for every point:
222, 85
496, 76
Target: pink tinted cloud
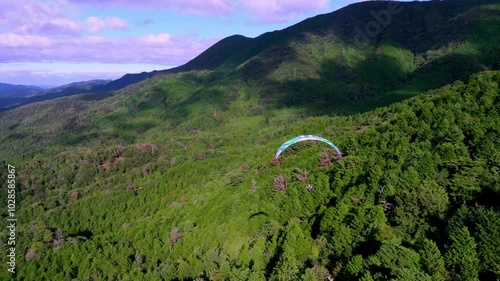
52, 26
157, 39
160, 48
12, 40
272, 11
197, 7
265, 11
96, 24
37, 17
36, 31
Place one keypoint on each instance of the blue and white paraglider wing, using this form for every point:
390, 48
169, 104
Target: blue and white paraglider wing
304, 138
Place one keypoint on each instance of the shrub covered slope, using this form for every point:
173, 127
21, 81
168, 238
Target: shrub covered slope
414, 195
173, 178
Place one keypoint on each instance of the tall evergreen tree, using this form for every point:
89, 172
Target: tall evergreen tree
461, 256
431, 260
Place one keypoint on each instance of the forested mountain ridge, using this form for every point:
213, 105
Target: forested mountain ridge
415, 43
413, 197
173, 178
315, 66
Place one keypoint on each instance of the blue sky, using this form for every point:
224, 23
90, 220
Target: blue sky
54, 42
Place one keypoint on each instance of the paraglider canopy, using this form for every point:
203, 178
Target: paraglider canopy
303, 138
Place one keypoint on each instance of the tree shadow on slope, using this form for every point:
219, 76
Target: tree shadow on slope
377, 82
442, 71
341, 89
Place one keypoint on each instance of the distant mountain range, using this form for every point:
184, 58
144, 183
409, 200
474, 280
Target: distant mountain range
9, 90
12, 96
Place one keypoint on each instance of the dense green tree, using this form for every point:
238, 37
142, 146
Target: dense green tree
416, 208
287, 268
487, 229
393, 257
461, 256
355, 266
431, 260
409, 274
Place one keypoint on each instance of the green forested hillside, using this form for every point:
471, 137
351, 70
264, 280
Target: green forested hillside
413, 197
314, 67
173, 178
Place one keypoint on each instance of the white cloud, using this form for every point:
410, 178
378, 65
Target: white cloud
96, 24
